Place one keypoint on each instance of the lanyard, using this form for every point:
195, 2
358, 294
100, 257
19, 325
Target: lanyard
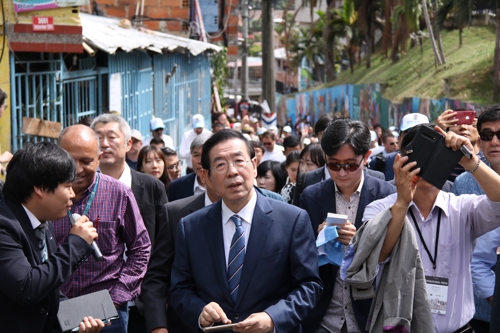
433, 260
92, 195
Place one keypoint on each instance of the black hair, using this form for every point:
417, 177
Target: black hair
492, 114
258, 144
269, 134
156, 141
387, 134
378, 125
315, 154
291, 142
168, 151
278, 172
346, 131
322, 123
3, 97
219, 137
44, 165
294, 156
141, 160
217, 124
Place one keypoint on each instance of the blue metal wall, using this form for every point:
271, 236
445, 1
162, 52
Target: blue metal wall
137, 87
187, 93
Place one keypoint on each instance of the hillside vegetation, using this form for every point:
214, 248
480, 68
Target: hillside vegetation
468, 71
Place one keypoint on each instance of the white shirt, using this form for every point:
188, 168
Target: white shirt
185, 148
126, 177
228, 226
169, 142
275, 155
34, 221
464, 218
208, 202
197, 188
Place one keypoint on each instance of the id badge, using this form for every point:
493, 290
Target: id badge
437, 293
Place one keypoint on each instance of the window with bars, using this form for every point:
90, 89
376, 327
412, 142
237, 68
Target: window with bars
185, 3
185, 26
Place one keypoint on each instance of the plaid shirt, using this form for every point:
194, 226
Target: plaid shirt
120, 226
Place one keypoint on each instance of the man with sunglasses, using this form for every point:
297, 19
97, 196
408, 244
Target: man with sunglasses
484, 257
346, 144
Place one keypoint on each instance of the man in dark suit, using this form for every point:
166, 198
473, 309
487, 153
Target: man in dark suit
38, 189
190, 184
156, 283
349, 190
246, 259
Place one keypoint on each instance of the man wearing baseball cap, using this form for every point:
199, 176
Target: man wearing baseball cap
156, 126
198, 122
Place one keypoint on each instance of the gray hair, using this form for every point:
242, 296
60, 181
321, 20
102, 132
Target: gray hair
199, 141
113, 118
94, 134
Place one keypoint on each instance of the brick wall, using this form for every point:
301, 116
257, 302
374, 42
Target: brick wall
173, 9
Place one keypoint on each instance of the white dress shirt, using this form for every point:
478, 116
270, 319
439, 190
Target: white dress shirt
34, 222
228, 226
197, 188
464, 218
169, 142
126, 177
185, 147
275, 155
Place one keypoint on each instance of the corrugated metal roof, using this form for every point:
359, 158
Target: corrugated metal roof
105, 34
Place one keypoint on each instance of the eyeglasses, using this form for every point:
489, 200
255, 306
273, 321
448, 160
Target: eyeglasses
158, 129
223, 167
349, 167
393, 143
487, 135
267, 143
177, 165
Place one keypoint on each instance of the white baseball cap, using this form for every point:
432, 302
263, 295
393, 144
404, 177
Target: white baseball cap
156, 123
412, 120
136, 134
287, 129
261, 131
373, 136
198, 121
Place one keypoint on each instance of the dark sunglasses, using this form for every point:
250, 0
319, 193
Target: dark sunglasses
487, 135
349, 167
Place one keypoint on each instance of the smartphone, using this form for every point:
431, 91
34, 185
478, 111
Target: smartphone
218, 328
336, 219
465, 117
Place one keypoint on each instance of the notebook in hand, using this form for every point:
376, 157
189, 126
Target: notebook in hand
97, 305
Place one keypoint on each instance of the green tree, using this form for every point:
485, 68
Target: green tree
218, 63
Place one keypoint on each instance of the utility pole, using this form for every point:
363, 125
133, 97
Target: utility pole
244, 59
268, 63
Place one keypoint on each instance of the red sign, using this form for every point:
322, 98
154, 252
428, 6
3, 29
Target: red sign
43, 23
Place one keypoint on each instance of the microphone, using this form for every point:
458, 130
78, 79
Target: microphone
96, 251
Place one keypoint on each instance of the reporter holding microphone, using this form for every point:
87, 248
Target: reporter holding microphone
37, 190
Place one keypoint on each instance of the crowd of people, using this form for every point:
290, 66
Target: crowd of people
223, 230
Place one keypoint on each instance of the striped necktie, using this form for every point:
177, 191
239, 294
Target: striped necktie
42, 244
236, 257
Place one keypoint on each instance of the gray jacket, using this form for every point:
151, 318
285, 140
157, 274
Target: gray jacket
400, 298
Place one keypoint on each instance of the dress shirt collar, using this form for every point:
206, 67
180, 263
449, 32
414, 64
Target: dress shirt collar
208, 202
327, 174
360, 186
442, 201
246, 213
126, 177
197, 188
34, 221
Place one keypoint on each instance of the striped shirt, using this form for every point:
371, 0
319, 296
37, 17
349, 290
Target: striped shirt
120, 227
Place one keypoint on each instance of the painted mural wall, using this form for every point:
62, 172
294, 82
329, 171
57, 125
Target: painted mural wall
362, 102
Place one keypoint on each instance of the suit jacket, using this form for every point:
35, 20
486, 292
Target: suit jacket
280, 272
319, 200
150, 195
156, 284
182, 187
318, 175
29, 289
